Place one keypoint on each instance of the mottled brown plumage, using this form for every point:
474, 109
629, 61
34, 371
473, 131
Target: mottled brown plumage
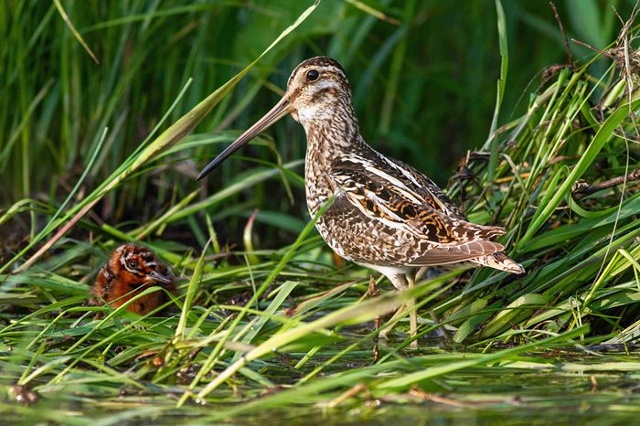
380, 212
130, 270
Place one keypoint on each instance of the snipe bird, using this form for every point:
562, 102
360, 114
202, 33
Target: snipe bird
382, 214
130, 270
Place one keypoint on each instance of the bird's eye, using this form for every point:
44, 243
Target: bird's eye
312, 75
133, 264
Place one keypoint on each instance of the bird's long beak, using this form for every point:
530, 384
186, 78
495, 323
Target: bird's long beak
159, 277
281, 109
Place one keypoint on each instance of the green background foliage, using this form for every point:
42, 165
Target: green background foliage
423, 79
92, 154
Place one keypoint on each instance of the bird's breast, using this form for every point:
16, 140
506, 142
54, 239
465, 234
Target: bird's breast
319, 187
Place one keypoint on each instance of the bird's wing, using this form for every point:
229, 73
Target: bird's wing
395, 196
443, 255
422, 250
421, 185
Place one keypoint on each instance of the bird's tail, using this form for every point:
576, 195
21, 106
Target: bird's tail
500, 261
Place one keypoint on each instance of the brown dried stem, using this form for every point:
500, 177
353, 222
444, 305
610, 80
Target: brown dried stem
581, 189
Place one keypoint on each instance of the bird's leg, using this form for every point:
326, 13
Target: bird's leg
402, 282
413, 315
373, 292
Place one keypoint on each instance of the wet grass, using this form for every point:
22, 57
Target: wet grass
268, 325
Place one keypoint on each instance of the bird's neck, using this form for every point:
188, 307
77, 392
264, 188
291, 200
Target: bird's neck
332, 131
331, 139
328, 141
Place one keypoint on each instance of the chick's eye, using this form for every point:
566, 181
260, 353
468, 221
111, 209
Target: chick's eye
312, 75
133, 264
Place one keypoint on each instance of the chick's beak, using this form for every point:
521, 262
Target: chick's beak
281, 109
156, 276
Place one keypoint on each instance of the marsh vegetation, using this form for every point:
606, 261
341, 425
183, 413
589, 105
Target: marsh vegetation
523, 131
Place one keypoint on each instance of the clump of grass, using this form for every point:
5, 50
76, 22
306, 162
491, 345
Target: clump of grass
288, 329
